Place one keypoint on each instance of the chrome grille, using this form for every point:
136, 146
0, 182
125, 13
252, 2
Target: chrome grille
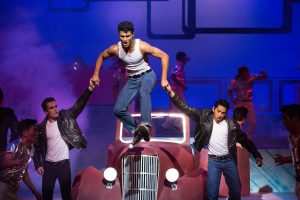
140, 177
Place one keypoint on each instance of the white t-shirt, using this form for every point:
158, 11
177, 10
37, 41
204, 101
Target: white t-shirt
218, 143
57, 148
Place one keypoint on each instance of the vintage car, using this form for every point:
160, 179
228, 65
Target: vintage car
164, 168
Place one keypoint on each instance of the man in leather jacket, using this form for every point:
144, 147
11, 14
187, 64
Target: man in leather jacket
59, 132
220, 135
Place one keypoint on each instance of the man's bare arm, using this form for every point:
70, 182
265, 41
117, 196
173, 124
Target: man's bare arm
111, 51
156, 52
230, 92
280, 160
30, 185
263, 75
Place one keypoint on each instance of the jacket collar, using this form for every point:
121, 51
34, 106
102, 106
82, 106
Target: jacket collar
231, 127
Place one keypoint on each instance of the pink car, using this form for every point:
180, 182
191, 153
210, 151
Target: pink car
164, 168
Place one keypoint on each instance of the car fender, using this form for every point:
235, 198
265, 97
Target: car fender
191, 186
89, 184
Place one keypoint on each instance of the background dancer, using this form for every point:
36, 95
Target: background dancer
242, 85
291, 120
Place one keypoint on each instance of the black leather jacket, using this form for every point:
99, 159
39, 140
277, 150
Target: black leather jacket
203, 130
8, 120
68, 127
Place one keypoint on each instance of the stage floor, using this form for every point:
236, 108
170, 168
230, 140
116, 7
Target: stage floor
269, 196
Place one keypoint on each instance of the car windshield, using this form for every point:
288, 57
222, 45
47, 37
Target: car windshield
165, 128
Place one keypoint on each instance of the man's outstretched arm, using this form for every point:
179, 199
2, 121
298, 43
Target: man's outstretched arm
263, 75
280, 160
111, 51
193, 113
230, 91
82, 100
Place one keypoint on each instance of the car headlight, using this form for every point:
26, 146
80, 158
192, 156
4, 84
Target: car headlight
172, 175
110, 174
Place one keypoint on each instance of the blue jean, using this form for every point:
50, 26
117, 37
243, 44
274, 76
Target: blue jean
230, 171
142, 85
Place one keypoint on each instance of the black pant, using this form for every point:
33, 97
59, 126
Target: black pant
57, 170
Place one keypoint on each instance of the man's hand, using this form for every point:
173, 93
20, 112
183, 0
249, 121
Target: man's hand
164, 83
258, 162
280, 160
264, 74
95, 79
92, 85
40, 170
169, 90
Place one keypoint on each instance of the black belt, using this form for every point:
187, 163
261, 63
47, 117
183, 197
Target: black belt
141, 74
56, 163
223, 157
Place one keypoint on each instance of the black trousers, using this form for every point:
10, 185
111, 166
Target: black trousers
57, 170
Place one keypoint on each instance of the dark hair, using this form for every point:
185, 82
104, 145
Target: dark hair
25, 124
240, 113
45, 101
1, 95
243, 69
180, 55
223, 103
126, 26
292, 110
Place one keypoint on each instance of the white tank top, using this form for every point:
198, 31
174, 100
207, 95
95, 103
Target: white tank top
135, 61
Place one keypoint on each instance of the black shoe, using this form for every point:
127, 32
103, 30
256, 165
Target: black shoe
137, 138
145, 132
